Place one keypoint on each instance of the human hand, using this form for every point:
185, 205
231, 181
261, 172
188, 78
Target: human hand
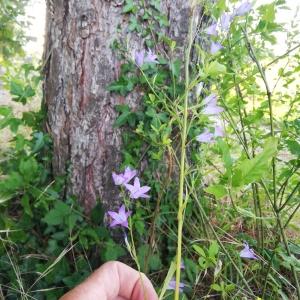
113, 281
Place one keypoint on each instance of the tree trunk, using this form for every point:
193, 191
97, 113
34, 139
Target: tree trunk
79, 65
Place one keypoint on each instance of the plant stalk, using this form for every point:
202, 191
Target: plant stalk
183, 155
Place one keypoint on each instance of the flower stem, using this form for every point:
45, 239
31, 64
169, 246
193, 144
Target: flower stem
183, 154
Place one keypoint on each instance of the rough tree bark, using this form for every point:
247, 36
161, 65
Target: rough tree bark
80, 111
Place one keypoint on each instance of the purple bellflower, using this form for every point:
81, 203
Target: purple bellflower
211, 107
120, 179
139, 57
151, 57
212, 30
219, 131
120, 217
243, 9
247, 252
172, 285
210, 99
215, 47
205, 137
136, 190
212, 110
225, 21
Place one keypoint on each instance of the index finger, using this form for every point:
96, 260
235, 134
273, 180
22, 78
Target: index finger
112, 280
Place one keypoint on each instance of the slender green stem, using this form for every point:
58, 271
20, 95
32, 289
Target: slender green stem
295, 189
292, 215
132, 251
183, 158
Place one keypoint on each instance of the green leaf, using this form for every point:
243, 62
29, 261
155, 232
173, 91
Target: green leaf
268, 12
227, 159
55, 216
217, 190
169, 276
216, 287
28, 168
25, 201
199, 250
112, 251
122, 86
155, 263
122, 119
5, 111
221, 5
215, 69
175, 67
12, 183
97, 214
230, 287
294, 147
251, 170
122, 108
139, 225
213, 249
16, 88
129, 7
14, 124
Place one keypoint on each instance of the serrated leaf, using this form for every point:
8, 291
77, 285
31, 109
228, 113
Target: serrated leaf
112, 251
28, 168
251, 170
55, 216
122, 119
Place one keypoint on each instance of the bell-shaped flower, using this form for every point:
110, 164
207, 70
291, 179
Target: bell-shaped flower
219, 131
136, 190
172, 285
205, 137
211, 107
212, 30
119, 218
225, 21
210, 99
247, 252
139, 57
151, 57
215, 47
244, 8
120, 179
